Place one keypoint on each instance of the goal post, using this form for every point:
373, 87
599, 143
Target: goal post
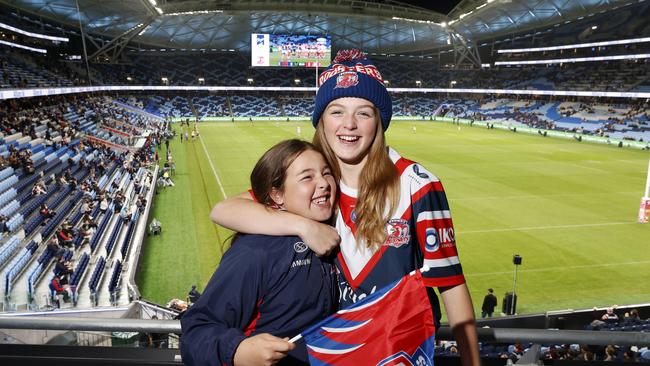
644, 208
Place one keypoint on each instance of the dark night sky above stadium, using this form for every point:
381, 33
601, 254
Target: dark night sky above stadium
441, 6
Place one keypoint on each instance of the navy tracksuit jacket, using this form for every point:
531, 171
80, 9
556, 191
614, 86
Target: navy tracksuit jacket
264, 284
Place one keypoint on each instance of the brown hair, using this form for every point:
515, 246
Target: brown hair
271, 170
378, 185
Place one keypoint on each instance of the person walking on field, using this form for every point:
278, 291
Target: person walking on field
489, 303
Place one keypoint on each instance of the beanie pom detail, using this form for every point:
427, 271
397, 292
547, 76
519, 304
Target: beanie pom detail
352, 75
349, 56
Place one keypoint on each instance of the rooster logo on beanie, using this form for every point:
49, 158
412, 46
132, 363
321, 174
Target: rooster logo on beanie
352, 75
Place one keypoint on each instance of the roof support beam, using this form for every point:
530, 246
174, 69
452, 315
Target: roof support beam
111, 51
464, 51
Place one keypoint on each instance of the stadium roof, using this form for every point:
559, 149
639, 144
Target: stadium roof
374, 26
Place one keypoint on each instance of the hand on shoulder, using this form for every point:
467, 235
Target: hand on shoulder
321, 238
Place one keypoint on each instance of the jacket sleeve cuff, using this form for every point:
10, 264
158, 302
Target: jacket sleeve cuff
235, 338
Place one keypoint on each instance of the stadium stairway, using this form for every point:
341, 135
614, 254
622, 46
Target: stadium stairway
33, 270
100, 277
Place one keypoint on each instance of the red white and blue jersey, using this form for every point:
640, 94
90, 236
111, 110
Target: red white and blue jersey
420, 232
264, 284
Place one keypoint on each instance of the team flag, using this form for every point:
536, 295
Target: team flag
393, 326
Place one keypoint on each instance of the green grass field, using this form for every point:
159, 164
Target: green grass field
568, 208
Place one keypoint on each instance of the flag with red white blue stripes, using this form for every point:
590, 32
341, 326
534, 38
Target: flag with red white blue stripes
393, 326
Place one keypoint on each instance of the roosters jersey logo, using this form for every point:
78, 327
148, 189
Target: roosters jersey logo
398, 232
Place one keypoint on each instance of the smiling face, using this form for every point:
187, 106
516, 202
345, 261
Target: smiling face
309, 188
350, 125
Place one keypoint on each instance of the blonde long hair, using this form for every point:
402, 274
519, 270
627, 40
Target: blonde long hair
379, 186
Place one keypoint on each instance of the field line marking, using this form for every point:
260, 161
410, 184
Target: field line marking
214, 171
543, 227
558, 268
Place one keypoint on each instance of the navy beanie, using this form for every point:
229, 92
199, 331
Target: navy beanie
353, 75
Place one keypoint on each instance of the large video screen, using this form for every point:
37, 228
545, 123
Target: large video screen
290, 51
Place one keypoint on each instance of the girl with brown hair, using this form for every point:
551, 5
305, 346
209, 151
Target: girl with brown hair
268, 288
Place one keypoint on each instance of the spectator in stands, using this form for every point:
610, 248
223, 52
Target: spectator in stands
103, 203
67, 174
61, 181
137, 187
46, 212
585, 354
56, 290
259, 279
610, 316
63, 267
38, 189
29, 167
87, 230
54, 247
552, 354
351, 114
65, 237
629, 356
141, 203
4, 228
118, 201
127, 212
88, 221
86, 206
610, 353
489, 303
632, 317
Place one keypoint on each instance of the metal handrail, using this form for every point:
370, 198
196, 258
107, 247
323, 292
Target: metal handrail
90, 324
498, 335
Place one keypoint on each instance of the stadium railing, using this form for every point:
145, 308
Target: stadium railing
113, 325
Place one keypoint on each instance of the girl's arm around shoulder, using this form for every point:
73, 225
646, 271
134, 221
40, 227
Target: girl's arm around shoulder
242, 214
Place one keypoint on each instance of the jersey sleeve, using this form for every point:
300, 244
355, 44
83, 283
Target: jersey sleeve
435, 230
214, 327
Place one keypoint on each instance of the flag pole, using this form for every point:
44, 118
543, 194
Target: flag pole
296, 338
